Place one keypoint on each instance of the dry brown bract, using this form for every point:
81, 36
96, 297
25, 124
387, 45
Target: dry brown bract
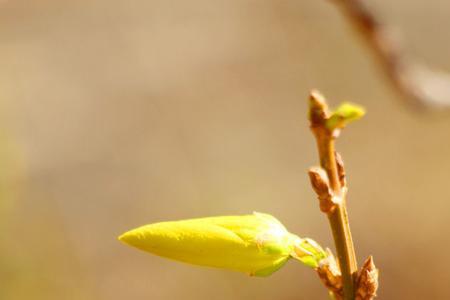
330, 275
367, 284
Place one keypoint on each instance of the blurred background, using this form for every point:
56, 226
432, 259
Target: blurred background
114, 114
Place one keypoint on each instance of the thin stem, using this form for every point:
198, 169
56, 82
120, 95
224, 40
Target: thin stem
337, 216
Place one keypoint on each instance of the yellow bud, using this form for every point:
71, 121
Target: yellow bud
256, 244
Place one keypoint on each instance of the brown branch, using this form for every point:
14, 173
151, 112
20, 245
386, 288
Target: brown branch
331, 190
416, 84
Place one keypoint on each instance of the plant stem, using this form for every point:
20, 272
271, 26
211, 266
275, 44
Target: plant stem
337, 217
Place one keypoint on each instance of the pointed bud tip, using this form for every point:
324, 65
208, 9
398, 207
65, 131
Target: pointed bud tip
317, 103
316, 96
369, 264
318, 109
121, 238
126, 238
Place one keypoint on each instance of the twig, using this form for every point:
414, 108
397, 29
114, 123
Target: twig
331, 189
418, 85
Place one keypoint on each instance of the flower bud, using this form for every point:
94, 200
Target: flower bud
256, 244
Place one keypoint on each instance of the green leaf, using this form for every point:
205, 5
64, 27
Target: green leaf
344, 114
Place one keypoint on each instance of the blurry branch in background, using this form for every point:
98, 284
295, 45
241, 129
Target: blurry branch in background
418, 85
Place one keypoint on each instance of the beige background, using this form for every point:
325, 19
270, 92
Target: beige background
119, 113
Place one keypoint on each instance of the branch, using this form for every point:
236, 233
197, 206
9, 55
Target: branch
416, 84
329, 184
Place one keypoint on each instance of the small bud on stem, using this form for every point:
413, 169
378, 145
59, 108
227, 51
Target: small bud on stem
321, 185
367, 283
